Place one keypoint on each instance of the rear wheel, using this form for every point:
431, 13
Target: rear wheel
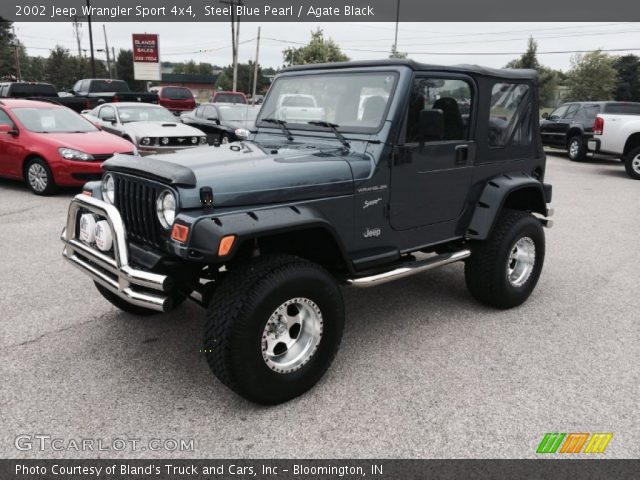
632, 163
504, 269
274, 326
575, 148
39, 177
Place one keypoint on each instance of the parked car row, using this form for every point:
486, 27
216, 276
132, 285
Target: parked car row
49, 145
578, 127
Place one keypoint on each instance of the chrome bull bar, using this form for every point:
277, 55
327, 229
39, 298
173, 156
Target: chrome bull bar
137, 287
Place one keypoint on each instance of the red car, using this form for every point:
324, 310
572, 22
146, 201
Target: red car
49, 145
229, 97
175, 99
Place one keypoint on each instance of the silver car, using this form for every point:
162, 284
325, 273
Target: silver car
151, 128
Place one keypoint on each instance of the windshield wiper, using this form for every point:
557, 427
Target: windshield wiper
334, 128
283, 127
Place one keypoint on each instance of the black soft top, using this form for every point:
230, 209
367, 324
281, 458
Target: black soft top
509, 73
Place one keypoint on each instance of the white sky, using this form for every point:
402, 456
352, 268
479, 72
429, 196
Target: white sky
437, 43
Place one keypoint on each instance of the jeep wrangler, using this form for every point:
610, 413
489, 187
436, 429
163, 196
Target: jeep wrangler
395, 168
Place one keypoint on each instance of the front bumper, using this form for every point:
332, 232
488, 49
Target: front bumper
112, 269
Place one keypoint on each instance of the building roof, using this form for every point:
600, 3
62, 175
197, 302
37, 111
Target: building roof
188, 78
473, 69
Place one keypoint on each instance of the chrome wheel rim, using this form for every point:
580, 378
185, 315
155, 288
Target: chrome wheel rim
292, 335
37, 177
521, 261
574, 149
635, 164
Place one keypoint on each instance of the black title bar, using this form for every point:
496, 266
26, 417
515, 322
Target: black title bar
321, 10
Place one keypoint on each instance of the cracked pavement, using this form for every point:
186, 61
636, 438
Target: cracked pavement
423, 371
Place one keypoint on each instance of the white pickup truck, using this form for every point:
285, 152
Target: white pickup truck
619, 134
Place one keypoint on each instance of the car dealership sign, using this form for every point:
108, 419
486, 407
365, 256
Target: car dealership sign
146, 56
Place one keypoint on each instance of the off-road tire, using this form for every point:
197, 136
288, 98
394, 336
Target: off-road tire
42, 166
576, 149
486, 271
633, 157
237, 316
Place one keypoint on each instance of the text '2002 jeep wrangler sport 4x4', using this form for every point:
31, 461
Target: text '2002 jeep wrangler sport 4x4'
404, 167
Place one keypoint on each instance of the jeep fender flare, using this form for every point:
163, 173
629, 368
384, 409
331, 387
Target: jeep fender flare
518, 190
251, 224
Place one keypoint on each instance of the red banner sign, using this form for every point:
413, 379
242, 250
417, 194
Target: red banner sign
145, 48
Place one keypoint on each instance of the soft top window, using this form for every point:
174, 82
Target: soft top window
510, 115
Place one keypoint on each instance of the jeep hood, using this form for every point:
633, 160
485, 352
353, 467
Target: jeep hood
245, 173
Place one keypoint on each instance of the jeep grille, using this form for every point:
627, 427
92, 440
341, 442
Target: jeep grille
135, 199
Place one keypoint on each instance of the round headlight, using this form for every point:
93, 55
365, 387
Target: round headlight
108, 189
145, 141
194, 140
165, 140
166, 208
203, 140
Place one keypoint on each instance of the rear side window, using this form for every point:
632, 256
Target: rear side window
591, 111
510, 116
623, 108
173, 93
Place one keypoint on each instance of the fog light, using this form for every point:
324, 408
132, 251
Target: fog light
104, 238
88, 228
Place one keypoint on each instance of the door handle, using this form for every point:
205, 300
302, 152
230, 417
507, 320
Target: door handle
462, 154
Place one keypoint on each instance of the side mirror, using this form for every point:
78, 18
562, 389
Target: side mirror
111, 120
545, 115
431, 125
7, 130
214, 119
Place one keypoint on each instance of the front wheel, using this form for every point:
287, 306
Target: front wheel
39, 177
273, 328
632, 163
504, 269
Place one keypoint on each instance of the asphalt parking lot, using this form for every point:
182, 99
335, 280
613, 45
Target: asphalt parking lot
424, 371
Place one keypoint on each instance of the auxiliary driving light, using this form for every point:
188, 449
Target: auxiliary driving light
88, 228
104, 237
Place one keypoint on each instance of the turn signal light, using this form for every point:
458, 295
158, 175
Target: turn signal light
226, 244
179, 233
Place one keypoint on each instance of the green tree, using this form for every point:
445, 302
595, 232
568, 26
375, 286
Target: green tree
548, 78
7, 56
628, 69
124, 65
245, 78
592, 77
318, 50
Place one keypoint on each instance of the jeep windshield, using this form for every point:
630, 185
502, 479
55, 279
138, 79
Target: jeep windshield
357, 102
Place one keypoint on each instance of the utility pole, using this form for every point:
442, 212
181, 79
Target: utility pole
17, 54
255, 69
115, 63
106, 49
395, 44
77, 31
235, 37
93, 59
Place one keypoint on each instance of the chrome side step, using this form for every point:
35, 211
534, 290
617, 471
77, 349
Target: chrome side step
410, 268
